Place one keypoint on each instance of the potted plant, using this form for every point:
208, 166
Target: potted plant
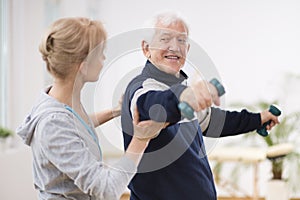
4, 135
285, 167
281, 144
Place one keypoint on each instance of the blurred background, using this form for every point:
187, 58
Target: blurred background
254, 45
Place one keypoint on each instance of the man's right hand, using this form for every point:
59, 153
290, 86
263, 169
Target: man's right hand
197, 96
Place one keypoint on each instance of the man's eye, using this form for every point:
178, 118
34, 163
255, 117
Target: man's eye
165, 39
182, 41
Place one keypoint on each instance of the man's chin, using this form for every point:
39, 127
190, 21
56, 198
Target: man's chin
171, 69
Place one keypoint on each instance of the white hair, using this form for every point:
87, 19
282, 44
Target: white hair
165, 18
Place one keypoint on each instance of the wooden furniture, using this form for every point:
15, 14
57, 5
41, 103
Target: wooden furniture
250, 155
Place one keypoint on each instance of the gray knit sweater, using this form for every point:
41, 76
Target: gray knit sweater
67, 162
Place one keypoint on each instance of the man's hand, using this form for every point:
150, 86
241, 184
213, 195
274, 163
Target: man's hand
197, 96
266, 116
214, 94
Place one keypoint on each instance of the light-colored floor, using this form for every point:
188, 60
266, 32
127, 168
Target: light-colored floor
126, 197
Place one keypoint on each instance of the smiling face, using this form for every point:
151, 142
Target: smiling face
168, 48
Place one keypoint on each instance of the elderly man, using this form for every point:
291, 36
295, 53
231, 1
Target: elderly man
175, 165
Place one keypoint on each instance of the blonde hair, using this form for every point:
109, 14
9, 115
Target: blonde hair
68, 41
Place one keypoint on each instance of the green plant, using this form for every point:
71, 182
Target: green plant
285, 132
4, 132
284, 167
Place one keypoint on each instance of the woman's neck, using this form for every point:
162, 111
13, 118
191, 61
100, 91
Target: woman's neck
67, 92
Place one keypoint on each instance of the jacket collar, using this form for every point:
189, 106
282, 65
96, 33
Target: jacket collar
153, 72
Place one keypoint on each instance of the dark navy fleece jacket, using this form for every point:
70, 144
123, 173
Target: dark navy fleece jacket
175, 165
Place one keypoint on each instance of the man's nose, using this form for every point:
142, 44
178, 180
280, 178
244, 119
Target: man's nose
173, 44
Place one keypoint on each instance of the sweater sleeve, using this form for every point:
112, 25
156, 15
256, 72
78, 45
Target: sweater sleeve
228, 123
161, 106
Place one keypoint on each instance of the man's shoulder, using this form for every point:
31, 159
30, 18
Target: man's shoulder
135, 83
146, 82
137, 79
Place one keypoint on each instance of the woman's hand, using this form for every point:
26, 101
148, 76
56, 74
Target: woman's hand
116, 111
146, 130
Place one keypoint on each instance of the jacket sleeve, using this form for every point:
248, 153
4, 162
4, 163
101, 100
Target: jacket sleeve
228, 123
158, 105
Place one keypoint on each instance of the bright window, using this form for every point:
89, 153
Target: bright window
4, 62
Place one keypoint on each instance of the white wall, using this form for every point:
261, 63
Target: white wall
26, 71
251, 42
25, 79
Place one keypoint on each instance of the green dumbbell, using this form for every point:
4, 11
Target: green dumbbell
188, 112
263, 130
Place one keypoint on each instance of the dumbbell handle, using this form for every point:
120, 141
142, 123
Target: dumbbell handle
188, 112
263, 130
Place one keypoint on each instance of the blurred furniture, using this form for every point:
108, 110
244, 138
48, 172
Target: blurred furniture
16, 179
250, 155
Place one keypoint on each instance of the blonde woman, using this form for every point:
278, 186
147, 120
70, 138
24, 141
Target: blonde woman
67, 159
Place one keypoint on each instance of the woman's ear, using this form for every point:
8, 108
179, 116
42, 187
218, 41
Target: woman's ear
146, 49
83, 68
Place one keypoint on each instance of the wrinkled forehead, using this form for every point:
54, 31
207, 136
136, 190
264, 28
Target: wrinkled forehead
176, 27
170, 32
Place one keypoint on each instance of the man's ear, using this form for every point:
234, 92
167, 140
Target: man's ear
188, 47
145, 48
